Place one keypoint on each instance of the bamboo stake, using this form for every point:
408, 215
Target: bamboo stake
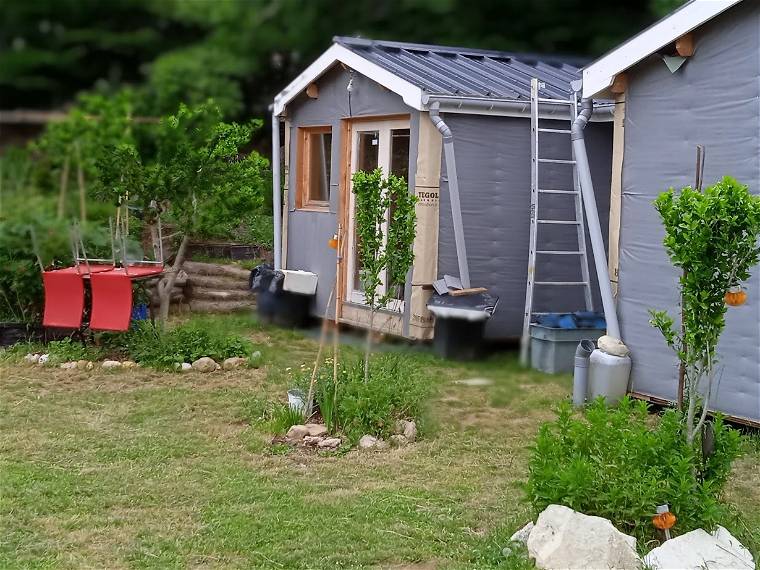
336, 327
322, 338
64, 182
80, 182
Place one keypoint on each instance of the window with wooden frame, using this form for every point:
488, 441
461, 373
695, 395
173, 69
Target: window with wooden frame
314, 154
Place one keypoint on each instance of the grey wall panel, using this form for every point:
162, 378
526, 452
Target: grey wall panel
308, 232
712, 100
493, 163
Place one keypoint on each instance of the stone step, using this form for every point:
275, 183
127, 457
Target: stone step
215, 270
202, 293
218, 282
204, 306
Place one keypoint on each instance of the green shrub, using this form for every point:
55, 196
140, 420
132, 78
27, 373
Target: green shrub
396, 389
620, 464
146, 344
68, 350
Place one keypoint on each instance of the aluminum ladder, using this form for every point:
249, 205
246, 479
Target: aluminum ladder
536, 195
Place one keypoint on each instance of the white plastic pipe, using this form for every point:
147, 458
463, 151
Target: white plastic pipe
592, 217
276, 192
456, 209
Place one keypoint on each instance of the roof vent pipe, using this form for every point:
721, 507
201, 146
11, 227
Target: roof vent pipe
276, 192
592, 216
456, 209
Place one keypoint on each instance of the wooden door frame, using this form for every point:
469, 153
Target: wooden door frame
346, 141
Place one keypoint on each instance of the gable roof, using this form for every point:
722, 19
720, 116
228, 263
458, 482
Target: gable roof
419, 71
599, 75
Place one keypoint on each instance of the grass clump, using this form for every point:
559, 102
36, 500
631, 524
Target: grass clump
148, 345
68, 350
620, 465
395, 389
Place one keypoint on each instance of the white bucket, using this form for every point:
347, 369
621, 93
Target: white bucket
608, 376
297, 401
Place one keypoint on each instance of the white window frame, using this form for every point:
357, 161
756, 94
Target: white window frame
383, 128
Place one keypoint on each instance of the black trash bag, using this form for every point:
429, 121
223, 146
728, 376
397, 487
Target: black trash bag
265, 278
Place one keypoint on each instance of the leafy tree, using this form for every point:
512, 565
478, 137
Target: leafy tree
382, 254
198, 176
712, 236
95, 124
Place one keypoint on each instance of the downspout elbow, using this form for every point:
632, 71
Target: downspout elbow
580, 122
443, 128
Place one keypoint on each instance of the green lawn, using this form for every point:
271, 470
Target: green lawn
140, 469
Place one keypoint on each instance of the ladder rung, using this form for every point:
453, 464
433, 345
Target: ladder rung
556, 160
560, 282
559, 222
560, 252
551, 191
562, 131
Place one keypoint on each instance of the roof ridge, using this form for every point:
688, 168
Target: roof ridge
552, 59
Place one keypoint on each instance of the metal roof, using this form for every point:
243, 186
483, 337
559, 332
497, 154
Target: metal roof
466, 72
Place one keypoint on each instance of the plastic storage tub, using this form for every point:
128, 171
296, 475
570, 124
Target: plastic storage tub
552, 349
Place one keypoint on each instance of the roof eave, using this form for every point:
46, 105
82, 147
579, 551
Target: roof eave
599, 75
410, 93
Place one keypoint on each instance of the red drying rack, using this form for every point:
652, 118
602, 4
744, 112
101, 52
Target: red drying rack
111, 290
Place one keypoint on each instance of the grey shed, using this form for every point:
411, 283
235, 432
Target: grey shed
691, 79
365, 103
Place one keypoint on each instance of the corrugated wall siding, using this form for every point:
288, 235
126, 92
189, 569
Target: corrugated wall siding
712, 100
493, 163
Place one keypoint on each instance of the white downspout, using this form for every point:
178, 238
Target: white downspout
456, 209
592, 217
276, 192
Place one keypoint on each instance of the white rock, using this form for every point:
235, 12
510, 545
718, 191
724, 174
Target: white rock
564, 538
297, 432
312, 440
522, 534
111, 364
32, 358
329, 443
69, 365
410, 431
697, 550
316, 430
185, 367
399, 440
612, 345
234, 362
729, 541
43, 359
368, 441
205, 364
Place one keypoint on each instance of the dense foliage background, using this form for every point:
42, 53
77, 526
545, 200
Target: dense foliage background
241, 52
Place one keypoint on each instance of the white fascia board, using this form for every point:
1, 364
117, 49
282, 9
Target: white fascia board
599, 75
411, 94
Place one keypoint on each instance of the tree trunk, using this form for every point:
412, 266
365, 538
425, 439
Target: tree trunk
368, 345
166, 285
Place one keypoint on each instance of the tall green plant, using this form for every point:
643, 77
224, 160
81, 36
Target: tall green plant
384, 251
712, 236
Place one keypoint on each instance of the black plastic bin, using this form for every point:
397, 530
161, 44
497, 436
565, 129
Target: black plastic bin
460, 324
459, 339
273, 305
